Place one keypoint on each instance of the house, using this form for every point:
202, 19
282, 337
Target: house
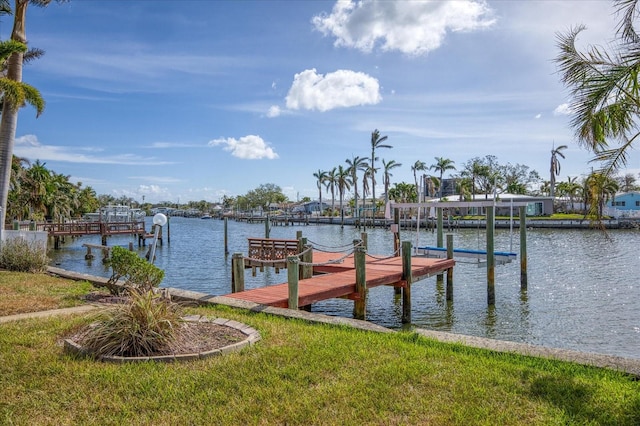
311, 207
536, 206
624, 204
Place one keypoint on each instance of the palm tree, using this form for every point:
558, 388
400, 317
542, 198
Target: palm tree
365, 185
15, 95
37, 179
330, 184
376, 143
418, 166
442, 165
555, 167
404, 193
603, 84
355, 164
386, 177
343, 182
474, 169
464, 188
321, 177
600, 188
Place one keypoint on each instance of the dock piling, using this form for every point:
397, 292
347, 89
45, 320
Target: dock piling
396, 241
406, 276
360, 304
237, 273
449, 292
523, 248
292, 280
440, 237
226, 236
491, 262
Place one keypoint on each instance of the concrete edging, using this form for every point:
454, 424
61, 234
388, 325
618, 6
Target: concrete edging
252, 336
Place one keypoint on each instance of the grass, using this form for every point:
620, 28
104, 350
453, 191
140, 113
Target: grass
22, 292
302, 373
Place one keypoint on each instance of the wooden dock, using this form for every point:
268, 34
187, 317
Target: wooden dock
105, 229
338, 280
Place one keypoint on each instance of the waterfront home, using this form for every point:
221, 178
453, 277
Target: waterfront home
311, 207
536, 206
625, 204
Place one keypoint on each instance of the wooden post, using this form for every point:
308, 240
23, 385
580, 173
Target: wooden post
168, 231
130, 245
307, 257
267, 226
406, 276
237, 273
105, 255
292, 279
360, 304
440, 239
365, 242
491, 263
302, 246
226, 236
523, 247
89, 255
396, 241
450, 270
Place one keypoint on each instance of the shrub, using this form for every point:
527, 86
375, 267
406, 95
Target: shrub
146, 325
18, 254
137, 273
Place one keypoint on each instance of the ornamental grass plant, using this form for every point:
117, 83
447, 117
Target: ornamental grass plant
146, 324
18, 254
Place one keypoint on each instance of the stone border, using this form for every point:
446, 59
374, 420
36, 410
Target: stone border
252, 334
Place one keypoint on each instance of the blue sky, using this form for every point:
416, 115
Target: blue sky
190, 100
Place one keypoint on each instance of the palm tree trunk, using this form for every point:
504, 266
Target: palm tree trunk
9, 119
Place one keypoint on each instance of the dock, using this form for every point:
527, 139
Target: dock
104, 229
338, 280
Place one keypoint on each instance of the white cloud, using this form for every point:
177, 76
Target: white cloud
537, 116
342, 88
562, 109
158, 179
411, 27
250, 147
29, 147
274, 111
152, 190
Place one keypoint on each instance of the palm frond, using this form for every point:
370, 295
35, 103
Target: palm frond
626, 28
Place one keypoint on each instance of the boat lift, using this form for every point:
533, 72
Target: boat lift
500, 257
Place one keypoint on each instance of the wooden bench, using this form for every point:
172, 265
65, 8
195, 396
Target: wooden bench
269, 249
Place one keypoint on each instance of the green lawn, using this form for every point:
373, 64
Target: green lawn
303, 373
298, 374
22, 292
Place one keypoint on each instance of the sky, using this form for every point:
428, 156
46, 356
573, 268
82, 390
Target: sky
194, 100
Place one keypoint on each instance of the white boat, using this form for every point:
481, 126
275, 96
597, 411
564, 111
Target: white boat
205, 216
116, 214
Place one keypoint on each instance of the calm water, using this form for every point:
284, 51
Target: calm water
583, 293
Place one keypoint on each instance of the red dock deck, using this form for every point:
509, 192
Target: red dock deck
339, 280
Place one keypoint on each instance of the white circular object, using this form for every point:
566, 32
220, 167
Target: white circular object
159, 219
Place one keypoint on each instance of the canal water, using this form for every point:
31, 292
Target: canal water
583, 292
